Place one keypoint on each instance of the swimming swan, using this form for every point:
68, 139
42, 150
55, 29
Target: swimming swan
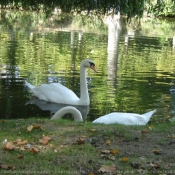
57, 93
114, 117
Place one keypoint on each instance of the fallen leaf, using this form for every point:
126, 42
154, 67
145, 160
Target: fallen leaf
83, 136
44, 140
167, 117
22, 148
22, 142
105, 151
107, 169
34, 150
144, 131
115, 151
92, 130
51, 145
151, 127
171, 136
17, 140
79, 141
20, 156
124, 159
111, 157
9, 146
29, 128
91, 173
7, 167
157, 152
155, 165
36, 126
2, 120
108, 142
63, 146
169, 165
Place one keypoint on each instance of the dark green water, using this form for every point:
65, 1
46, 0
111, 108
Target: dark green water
135, 64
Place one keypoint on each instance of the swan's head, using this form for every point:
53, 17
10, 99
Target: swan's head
89, 64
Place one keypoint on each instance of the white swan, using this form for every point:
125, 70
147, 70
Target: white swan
125, 118
57, 93
115, 117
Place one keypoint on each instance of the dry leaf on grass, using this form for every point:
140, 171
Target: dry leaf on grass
20, 156
34, 150
124, 159
114, 151
20, 142
44, 140
79, 141
107, 169
105, 151
7, 167
167, 117
151, 127
9, 146
92, 130
157, 152
155, 165
171, 136
111, 157
29, 128
36, 126
144, 131
108, 142
91, 173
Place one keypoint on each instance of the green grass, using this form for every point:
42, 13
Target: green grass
76, 147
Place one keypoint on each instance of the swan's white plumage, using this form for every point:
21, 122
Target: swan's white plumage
114, 117
57, 93
54, 92
125, 118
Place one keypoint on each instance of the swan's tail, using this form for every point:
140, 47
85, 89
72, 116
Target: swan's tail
149, 114
29, 85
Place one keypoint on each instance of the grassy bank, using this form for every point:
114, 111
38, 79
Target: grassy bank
41, 146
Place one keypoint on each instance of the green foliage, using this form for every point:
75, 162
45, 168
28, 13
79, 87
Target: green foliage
129, 8
161, 8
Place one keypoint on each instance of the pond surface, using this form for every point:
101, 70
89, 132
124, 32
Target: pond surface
135, 64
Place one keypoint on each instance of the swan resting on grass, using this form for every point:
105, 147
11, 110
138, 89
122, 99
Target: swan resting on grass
57, 93
114, 117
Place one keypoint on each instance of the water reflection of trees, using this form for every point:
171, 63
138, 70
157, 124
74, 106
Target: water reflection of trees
56, 52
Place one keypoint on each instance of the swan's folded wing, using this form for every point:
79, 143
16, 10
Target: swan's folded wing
54, 92
121, 118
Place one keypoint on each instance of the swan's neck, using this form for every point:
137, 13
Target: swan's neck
84, 96
66, 110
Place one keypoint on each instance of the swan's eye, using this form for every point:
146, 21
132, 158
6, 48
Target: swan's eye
91, 64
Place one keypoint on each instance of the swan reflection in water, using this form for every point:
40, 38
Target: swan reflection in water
54, 107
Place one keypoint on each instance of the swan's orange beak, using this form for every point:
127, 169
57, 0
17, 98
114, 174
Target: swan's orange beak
93, 68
